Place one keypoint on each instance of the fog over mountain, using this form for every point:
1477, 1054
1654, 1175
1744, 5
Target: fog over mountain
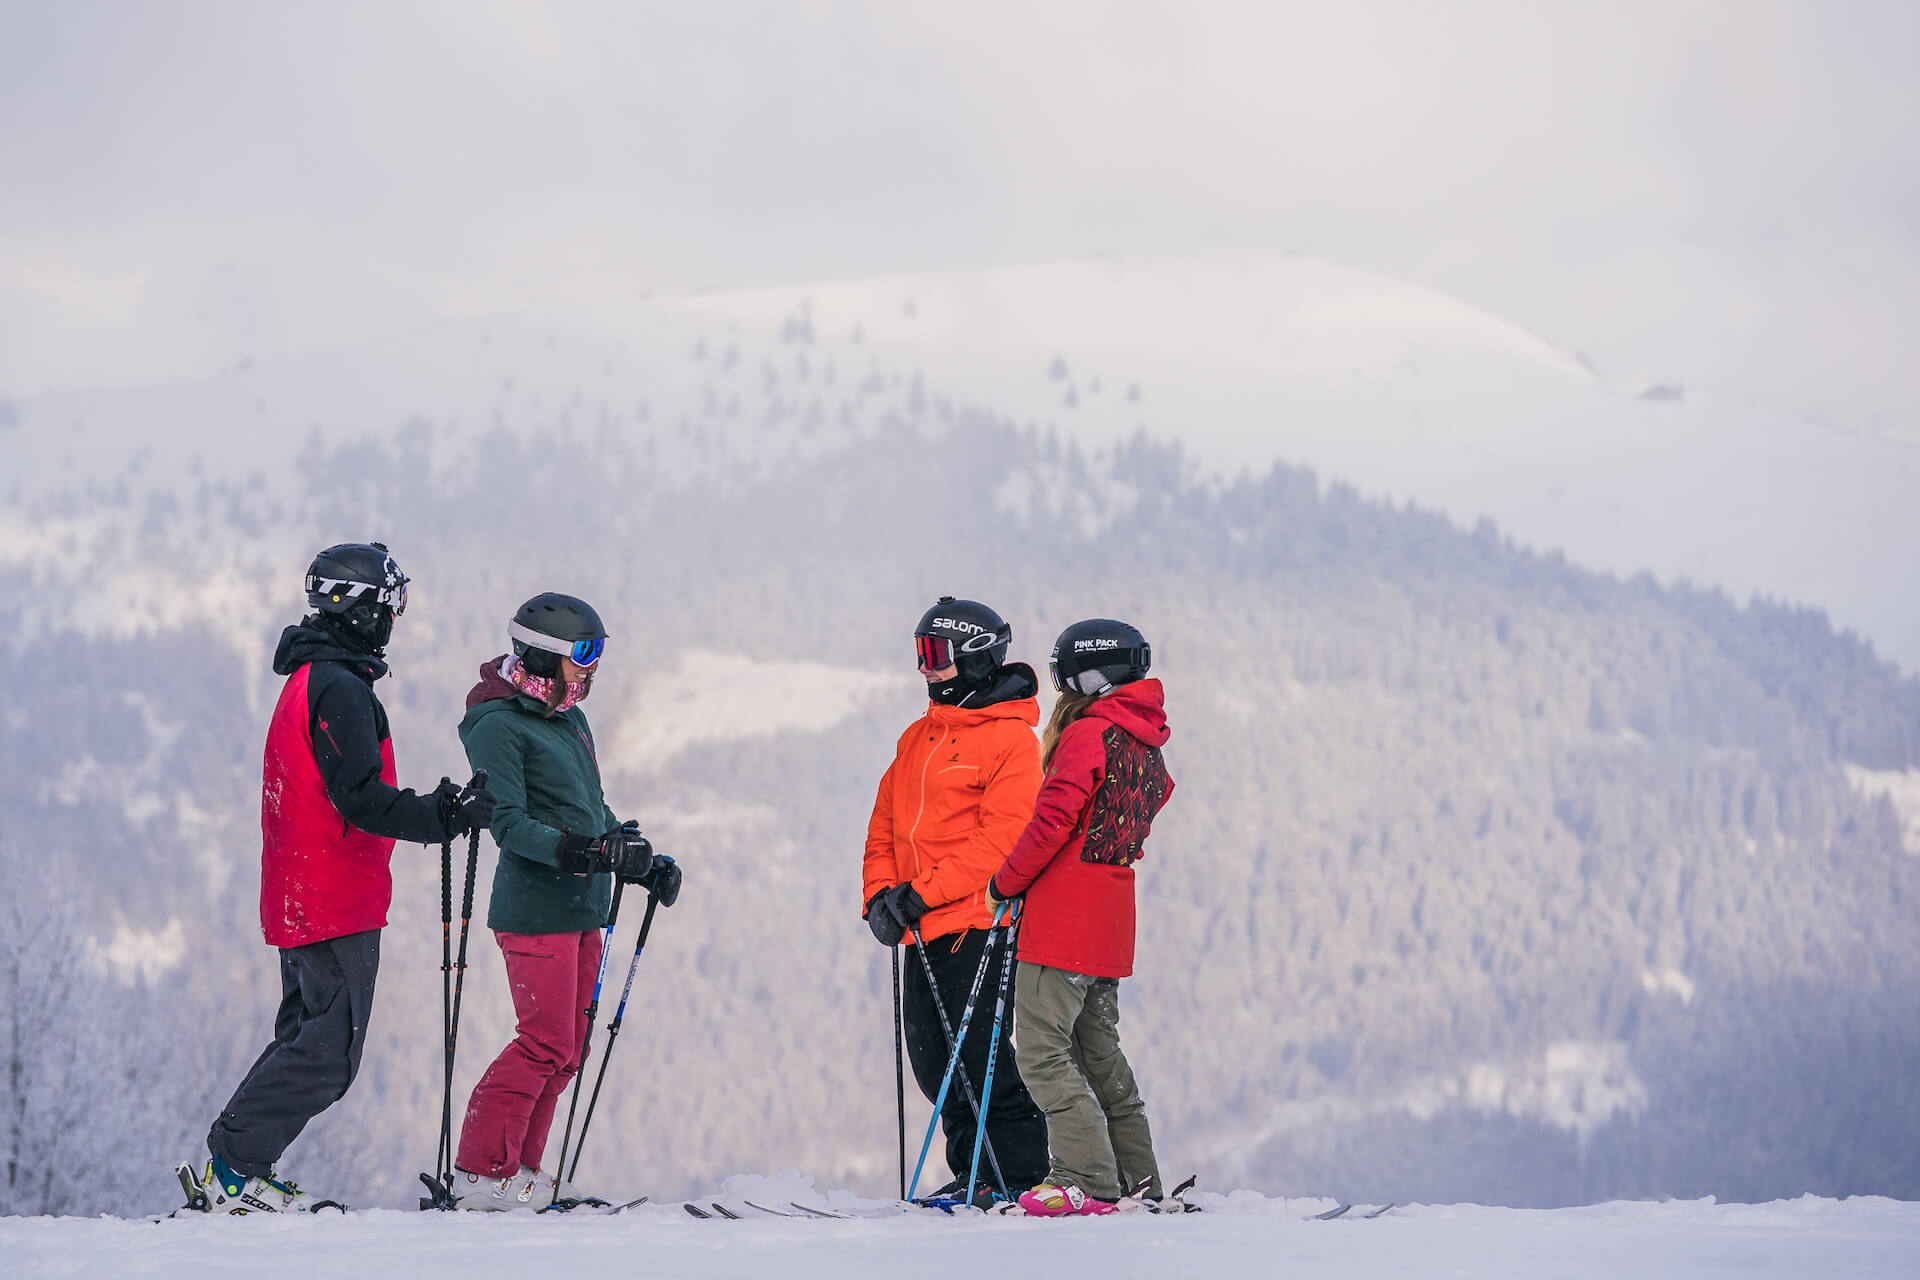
1504, 865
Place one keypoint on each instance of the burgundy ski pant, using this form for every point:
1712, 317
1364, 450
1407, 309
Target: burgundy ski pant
551, 978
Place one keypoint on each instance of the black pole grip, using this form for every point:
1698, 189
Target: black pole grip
446, 875
466, 897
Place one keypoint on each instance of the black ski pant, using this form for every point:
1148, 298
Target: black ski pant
326, 999
1015, 1126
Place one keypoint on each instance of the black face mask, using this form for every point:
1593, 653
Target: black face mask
365, 627
954, 692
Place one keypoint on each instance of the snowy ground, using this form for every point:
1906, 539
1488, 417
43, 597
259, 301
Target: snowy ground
1242, 1235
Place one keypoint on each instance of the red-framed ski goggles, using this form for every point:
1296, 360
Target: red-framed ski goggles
936, 653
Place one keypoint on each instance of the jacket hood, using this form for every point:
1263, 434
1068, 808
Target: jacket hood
493, 686
1009, 696
307, 641
1140, 708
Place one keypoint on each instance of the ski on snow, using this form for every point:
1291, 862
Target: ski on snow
1340, 1211
602, 1207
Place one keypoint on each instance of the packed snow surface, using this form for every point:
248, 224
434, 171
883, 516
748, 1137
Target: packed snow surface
1243, 1234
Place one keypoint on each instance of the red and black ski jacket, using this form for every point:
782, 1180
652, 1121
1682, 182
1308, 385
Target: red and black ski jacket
1074, 862
329, 810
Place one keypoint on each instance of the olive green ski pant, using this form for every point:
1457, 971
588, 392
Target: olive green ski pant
1068, 1049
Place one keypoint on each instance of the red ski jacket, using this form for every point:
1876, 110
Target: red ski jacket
1074, 862
329, 812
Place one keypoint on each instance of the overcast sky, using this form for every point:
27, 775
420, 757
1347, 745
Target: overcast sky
1726, 194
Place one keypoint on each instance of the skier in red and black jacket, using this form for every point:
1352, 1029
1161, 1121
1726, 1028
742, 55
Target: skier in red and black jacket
1104, 783
329, 817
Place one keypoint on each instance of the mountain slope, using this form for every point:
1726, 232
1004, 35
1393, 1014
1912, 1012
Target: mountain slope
1488, 877
1245, 359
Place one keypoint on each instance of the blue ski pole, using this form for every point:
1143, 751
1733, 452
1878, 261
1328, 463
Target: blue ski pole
959, 1039
993, 1052
613, 1029
966, 1083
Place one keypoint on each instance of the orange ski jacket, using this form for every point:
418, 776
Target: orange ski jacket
954, 800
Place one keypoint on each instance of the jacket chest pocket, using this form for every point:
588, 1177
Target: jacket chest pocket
959, 773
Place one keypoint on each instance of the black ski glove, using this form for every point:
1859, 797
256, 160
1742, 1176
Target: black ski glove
906, 904
464, 809
663, 882
886, 928
624, 852
893, 911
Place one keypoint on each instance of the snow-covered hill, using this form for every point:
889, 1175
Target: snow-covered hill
1244, 1235
1243, 358
1489, 878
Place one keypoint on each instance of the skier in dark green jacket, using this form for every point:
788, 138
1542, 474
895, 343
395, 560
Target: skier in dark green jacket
560, 849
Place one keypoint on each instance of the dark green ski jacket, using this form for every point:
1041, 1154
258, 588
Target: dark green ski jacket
546, 779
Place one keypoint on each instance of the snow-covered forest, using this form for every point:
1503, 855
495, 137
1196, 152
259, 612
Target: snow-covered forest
1490, 877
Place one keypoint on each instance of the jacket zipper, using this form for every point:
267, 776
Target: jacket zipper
913, 832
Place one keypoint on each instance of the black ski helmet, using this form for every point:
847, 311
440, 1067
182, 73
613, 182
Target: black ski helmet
551, 625
358, 590
1097, 655
976, 638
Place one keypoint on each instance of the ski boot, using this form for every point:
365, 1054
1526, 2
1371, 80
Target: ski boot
221, 1190
1063, 1200
954, 1194
477, 1193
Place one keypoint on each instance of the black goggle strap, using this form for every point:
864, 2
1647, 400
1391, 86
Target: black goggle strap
1091, 680
937, 652
394, 597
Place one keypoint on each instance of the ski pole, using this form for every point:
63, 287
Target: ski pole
460, 965
966, 1082
613, 1030
993, 1052
441, 1171
593, 1007
900, 1068
959, 1039
450, 991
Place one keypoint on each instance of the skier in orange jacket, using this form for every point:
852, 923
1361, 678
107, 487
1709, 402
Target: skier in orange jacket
953, 802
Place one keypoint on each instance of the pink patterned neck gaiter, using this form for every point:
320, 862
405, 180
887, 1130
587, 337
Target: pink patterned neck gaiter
540, 688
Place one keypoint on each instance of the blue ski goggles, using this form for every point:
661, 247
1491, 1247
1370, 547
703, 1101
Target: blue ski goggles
583, 652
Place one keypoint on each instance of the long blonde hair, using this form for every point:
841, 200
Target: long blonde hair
1069, 707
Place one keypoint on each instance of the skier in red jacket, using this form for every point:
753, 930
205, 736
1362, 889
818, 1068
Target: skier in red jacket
329, 817
1074, 864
